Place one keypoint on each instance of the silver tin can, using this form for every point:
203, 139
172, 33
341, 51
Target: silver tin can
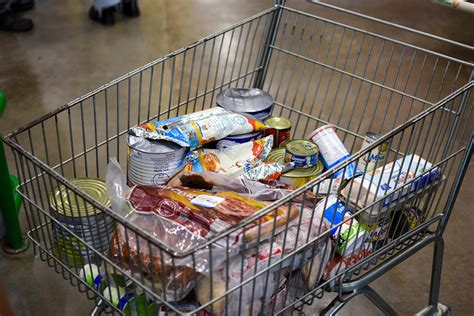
81, 218
233, 140
153, 162
248, 101
376, 157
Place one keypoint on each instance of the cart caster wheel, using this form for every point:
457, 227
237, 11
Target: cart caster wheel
11, 251
442, 310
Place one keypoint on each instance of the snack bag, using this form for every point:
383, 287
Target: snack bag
231, 160
196, 129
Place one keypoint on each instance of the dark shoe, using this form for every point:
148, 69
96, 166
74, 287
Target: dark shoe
106, 17
9, 21
21, 5
130, 8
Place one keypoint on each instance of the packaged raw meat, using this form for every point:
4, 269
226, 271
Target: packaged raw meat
197, 129
181, 219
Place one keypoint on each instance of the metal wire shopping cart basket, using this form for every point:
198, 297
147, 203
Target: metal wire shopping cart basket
319, 72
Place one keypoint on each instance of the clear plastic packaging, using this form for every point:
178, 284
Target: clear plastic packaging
262, 190
266, 287
182, 219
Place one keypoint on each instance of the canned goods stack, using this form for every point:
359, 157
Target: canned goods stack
153, 163
298, 176
82, 219
280, 128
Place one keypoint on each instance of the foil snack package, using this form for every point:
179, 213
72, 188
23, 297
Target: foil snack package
231, 160
267, 170
199, 128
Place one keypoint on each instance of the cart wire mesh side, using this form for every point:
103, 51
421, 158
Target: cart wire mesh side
319, 72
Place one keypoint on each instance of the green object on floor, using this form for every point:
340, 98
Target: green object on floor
10, 200
3, 103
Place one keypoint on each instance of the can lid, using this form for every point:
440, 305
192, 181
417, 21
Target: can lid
278, 122
68, 203
305, 172
302, 147
278, 155
372, 136
244, 100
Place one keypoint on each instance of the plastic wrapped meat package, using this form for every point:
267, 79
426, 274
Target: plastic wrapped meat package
267, 286
181, 219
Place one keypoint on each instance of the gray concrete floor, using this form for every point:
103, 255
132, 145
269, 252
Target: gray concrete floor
67, 55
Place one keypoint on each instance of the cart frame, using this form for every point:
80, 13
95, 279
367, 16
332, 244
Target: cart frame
43, 164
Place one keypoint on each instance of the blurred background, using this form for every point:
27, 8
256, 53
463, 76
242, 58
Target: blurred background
67, 54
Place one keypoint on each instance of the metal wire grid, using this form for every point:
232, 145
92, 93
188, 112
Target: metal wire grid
386, 86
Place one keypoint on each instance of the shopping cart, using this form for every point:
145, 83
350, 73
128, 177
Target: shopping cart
319, 72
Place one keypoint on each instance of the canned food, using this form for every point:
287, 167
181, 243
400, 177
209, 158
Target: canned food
250, 101
283, 144
302, 152
405, 220
332, 150
81, 218
233, 140
296, 177
375, 225
153, 162
374, 158
280, 128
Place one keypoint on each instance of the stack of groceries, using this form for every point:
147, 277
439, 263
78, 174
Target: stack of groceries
208, 175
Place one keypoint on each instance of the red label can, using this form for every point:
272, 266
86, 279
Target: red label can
280, 128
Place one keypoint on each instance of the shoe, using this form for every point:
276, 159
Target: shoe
9, 21
21, 5
106, 17
130, 8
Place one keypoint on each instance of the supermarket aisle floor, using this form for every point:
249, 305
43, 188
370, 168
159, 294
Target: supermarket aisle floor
67, 55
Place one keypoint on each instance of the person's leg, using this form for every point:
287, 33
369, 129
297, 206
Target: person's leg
103, 11
130, 8
9, 21
21, 5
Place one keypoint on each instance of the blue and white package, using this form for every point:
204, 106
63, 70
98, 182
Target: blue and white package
390, 178
196, 129
349, 235
332, 151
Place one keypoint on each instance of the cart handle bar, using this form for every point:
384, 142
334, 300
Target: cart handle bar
405, 28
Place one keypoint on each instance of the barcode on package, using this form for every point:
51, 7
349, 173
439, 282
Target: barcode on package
207, 200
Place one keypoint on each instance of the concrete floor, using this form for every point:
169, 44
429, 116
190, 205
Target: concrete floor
67, 55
